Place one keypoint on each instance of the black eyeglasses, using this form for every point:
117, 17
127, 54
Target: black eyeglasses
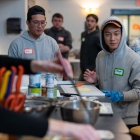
37, 23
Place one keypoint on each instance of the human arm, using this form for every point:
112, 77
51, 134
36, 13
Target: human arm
134, 81
67, 43
20, 124
131, 90
63, 48
90, 76
68, 129
53, 66
33, 66
7, 62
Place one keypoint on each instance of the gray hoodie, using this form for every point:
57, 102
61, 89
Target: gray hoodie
120, 71
24, 46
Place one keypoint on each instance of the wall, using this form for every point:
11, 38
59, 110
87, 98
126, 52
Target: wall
74, 15
10, 8
43, 3
72, 11
13, 8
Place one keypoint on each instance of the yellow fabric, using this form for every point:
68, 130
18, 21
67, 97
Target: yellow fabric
135, 130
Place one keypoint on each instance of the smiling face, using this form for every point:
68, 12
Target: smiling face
112, 36
36, 25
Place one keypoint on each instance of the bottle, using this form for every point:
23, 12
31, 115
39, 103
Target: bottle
34, 84
50, 92
34, 80
50, 85
49, 80
55, 89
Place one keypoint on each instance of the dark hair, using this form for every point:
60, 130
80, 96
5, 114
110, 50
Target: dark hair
35, 10
58, 15
92, 15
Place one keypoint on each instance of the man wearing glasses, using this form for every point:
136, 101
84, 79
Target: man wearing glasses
62, 36
34, 44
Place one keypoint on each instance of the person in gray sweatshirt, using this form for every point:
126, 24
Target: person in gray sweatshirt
117, 71
34, 44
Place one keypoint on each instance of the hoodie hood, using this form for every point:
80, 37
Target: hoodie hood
117, 52
119, 71
123, 38
26, 36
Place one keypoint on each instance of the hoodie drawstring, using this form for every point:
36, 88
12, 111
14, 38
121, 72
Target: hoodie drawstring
112, 73
105, 77
113, 65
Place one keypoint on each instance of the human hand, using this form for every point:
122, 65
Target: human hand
115, 96
60, 45
72, 130
65, 64
90, 76
106, 92
52, 66
63, 48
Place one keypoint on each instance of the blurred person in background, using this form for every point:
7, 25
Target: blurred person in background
135, 45
34, 44
60, 34
90, 45
117, 71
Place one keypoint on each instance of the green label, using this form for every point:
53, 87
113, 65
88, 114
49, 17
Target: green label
83, 39
55, 92
118, 72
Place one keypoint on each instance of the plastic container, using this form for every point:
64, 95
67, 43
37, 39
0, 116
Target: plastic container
34, 80
36, 91
49, 80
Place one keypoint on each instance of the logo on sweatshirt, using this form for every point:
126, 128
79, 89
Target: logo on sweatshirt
118, 72
28, 51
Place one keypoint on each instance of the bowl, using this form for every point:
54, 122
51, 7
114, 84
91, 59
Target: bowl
38, 108
75, 111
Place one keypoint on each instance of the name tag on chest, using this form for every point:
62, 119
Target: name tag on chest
60, 38
118, 72
28, 51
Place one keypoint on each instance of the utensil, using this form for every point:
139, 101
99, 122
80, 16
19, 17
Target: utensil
2, 71
11, 81
15, 101
85, 115
70, 77
4, 84
78, 85
9, 87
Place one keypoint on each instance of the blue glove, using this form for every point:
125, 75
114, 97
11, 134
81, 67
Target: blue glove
106, 92
115, 96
